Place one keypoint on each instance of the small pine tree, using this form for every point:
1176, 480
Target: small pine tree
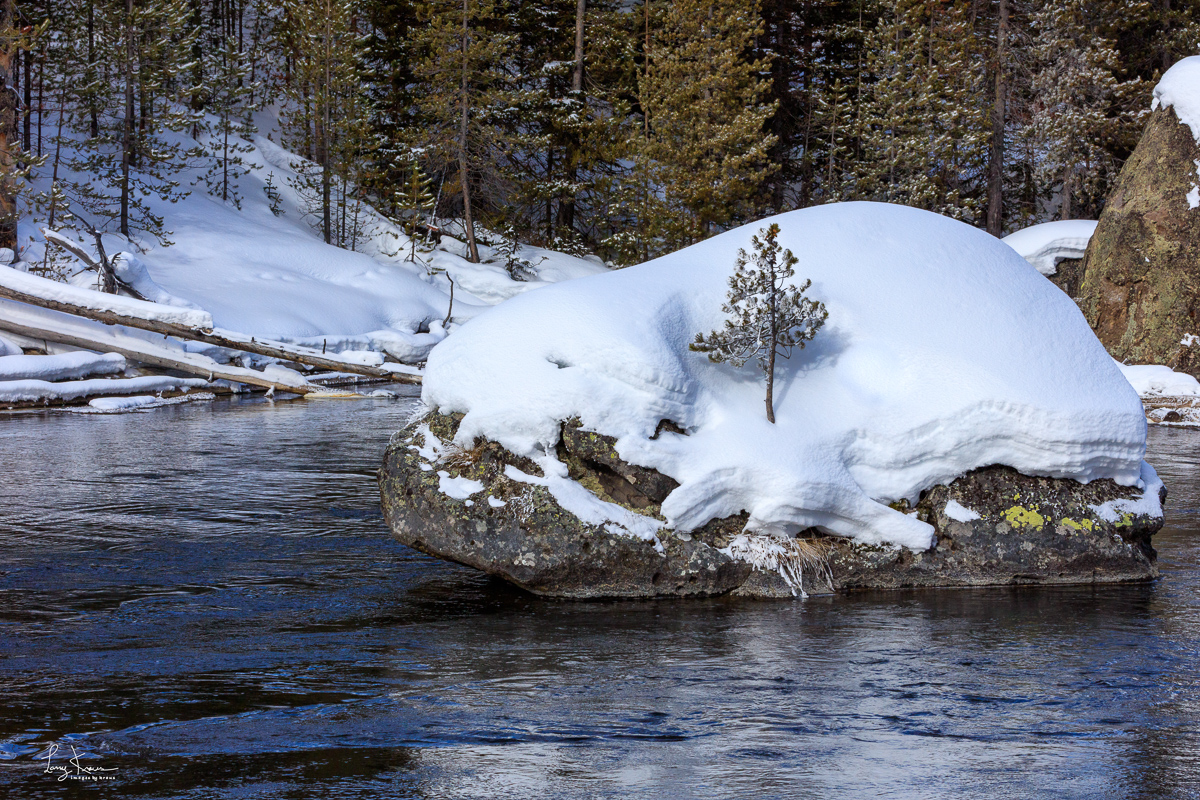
229, 102
412, 202
766, 317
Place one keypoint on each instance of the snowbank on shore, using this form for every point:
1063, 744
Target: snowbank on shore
943, 352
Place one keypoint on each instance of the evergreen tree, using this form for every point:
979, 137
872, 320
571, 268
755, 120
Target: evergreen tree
137, 51
1076, 102
705, 149
767, 317
465, 105
925, 122
228, 101
413, 202
327, 117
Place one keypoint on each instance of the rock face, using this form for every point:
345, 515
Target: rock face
1141, 286
994, 527
1069, 276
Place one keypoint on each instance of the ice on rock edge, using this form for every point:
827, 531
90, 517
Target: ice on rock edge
1179, 88
943, 353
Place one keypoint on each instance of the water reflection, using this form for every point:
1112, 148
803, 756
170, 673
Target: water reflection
205, 599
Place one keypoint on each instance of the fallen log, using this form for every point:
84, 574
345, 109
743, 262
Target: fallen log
78, 333
214, 336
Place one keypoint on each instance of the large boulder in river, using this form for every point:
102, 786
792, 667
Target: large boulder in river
488, 508
601, 456
1141, 286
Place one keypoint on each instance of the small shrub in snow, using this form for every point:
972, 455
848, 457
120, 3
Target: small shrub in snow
766, 317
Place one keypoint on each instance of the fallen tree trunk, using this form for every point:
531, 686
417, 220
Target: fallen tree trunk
147, 353
215, 336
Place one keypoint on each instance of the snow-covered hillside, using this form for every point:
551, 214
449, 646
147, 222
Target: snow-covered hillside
943, 352
273, 277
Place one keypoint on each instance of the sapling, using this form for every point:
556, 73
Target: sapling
767, 317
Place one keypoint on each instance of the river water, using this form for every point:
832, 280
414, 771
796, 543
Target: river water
203, 602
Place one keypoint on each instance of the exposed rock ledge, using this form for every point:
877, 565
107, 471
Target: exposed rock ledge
461, 506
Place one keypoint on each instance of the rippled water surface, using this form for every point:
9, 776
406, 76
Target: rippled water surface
204, 601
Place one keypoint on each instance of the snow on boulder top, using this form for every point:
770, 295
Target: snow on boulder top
1045, 245
1179, 88
943, 352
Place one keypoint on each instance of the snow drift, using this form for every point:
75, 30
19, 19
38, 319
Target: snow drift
943, 352
1046, 244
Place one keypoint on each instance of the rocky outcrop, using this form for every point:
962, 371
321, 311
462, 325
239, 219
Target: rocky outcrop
1069, 276
1141, 286
484, 508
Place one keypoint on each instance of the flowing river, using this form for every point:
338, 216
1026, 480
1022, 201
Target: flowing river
203, 602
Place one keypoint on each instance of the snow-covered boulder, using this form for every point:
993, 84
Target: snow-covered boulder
943, 353
1139, 292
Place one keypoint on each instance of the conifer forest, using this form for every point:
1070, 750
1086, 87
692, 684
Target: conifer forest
627, 129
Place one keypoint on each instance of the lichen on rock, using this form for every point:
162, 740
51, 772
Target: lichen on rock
1019, 529
1139, 290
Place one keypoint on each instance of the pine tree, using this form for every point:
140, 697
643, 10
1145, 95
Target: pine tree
460, 60
326, 118
411, 203
228, 101
925, 121
138, 53
706, 149
1074, 96
767, 317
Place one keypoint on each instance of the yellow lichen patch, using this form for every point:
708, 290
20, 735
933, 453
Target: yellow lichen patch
1126, 520
1021, 517
1084, 524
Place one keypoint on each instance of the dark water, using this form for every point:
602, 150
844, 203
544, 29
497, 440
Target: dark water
204, 600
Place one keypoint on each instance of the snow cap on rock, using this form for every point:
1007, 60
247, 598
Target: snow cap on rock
943, 352
1179, 89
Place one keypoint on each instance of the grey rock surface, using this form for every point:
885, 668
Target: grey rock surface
1029, 530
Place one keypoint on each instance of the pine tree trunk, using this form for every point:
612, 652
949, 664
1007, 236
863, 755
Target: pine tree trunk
324, 140
995, 216
93, 112
773, 306
8, 135
27, 139
566, 208
127, 128
463, 166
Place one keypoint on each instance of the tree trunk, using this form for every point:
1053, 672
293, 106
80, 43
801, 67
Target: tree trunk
93, 112
8, 136
28, 138
463, 165
995, 215
127, 128
326, 178
566, 207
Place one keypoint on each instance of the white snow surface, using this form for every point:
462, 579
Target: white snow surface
960, 513
1152, 380
98, 301
1046, 244
943, 353
9, 347
144, 402
30, 391
1179, 88
273, 277
60, 367
459, 488
1150, 503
